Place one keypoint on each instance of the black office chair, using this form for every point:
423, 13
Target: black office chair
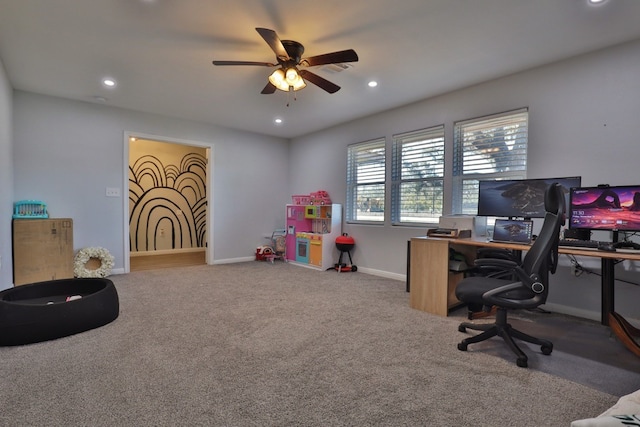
529, 290
476, 311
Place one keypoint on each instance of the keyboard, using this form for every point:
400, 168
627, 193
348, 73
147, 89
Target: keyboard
574, 243
631, 247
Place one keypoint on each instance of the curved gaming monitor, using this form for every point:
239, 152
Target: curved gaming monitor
519, 198
605, 208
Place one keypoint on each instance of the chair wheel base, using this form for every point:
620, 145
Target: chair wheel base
509, 334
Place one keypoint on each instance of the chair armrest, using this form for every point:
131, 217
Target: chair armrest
526, 283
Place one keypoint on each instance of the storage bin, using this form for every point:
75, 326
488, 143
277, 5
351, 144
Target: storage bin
30, 209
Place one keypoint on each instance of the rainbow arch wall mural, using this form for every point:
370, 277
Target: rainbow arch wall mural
167, 196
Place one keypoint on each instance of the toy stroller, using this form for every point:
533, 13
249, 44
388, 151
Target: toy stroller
278, 245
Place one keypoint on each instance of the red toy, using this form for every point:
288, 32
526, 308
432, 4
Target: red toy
344, 244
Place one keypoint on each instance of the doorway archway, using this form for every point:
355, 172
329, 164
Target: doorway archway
168, 219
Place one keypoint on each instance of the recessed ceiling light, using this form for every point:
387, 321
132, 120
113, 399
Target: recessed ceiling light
278, 121
108, 82
596, 1
372, 83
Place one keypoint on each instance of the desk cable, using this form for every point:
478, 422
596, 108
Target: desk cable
579, 269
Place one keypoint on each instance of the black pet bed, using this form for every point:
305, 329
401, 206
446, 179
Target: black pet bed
48, 310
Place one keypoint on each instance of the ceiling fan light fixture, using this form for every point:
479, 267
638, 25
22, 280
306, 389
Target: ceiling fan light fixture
292, 75
298, 83
277, 77
287, 80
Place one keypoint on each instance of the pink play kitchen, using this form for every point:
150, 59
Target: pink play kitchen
313, 224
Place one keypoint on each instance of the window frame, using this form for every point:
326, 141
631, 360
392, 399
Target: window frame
427, 144
465, 180
356, 157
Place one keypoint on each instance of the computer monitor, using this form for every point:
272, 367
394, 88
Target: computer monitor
605, 208
519, 198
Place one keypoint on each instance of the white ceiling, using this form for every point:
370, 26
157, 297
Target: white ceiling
160, 51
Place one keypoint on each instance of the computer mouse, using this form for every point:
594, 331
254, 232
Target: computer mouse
608, 247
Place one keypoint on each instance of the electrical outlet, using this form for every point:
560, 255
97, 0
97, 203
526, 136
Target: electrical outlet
113, 192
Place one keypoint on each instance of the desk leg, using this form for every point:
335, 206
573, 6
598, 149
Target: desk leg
408, 285
607, 289
622, 329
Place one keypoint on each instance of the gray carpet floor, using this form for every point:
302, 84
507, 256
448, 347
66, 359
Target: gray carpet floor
256, 344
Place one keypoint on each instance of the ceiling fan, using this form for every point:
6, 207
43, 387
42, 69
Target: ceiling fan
288, 77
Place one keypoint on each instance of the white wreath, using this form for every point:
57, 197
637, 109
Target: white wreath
84, 255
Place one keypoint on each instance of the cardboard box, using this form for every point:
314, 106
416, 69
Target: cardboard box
42, 250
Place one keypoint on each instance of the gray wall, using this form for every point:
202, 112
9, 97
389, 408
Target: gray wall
67, 152
583, 121
6, 179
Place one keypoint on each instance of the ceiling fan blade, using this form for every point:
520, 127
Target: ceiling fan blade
349, 55
261, 64
268, 89
274, 42
321, 82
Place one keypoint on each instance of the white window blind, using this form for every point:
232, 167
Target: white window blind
492, 147
366, 163
417, 176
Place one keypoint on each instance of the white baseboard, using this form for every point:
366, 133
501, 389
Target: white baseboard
233, 260
385, 274
303, 265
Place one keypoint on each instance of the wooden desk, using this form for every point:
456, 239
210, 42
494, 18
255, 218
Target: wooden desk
433, 285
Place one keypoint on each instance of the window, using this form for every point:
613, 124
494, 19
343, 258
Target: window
493, 147
417, 176
366, 181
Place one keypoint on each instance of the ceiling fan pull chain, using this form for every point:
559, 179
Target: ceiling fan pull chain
291, 91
